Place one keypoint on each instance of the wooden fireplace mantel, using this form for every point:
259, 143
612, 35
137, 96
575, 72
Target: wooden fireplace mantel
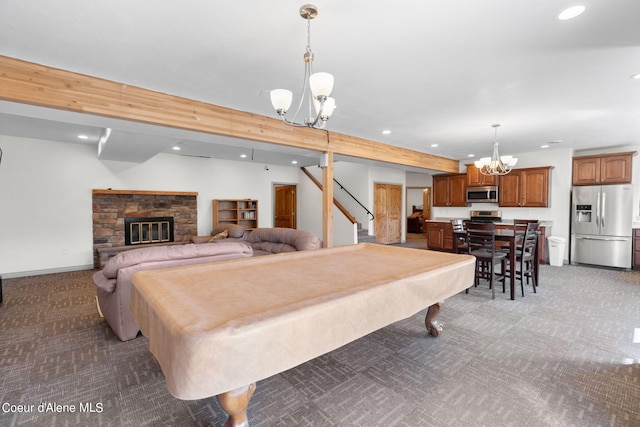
153, 193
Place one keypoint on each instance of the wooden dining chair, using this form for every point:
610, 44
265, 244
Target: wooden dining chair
525, 256
459, 240
481, 240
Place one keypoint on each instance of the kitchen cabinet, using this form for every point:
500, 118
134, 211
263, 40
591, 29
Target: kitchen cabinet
477, 179
603, 169
528, 187
439, 235
450, 190
635, 260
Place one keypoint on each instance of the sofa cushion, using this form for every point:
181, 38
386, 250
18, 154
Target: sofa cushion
277, 240
272, 247
200, 239
172, 252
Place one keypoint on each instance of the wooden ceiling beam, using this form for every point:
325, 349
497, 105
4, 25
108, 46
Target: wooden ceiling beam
35, 84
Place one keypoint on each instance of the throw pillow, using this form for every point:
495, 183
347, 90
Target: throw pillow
221, 235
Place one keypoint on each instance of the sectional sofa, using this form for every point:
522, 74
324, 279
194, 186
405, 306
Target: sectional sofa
113, 282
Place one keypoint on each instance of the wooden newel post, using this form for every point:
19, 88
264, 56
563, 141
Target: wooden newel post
235, 404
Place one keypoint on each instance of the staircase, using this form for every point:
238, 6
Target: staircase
363, 235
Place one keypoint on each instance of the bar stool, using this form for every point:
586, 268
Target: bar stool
481, 239
459, 237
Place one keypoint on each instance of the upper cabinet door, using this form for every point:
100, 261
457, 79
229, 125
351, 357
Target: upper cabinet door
440, 190
450, 190
476, 179
458, 190
525, 188
535, 187
616, 169
586, 171
603, 169
509, 191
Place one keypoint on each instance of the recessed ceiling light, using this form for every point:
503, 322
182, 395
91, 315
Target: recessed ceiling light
83, 137
433, 145
471, 155
386, 132
571, 12
635, 76
176, 147
544, 146
294, 162
244, 156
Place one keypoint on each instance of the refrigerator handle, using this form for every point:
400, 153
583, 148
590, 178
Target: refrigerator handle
603, 208
598, 209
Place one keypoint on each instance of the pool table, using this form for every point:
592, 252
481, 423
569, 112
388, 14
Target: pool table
217, 328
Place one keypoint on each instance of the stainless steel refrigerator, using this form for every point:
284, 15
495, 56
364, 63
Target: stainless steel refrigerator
602, 217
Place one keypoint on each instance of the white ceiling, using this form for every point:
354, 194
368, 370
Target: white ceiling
431, 71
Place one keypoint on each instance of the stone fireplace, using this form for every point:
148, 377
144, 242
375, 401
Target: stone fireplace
126, 219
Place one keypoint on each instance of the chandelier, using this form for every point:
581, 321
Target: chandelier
315, 90
496, 164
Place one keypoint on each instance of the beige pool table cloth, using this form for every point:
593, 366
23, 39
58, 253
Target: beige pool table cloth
220, 326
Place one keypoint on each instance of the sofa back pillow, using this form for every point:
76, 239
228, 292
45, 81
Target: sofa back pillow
300, 240
172, 252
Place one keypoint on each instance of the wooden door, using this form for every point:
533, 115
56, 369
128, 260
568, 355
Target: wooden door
440, 191
510, 189
435, 235
586, 171
535, 188
426, 203
458, 190
616, 169
387, 210
285, 206
477, 179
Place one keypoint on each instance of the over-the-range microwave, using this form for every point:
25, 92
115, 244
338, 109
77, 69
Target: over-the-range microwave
488, 194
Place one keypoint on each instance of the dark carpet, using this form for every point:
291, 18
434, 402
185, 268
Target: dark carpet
566, 356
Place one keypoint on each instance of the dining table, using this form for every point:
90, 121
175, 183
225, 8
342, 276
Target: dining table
510, 236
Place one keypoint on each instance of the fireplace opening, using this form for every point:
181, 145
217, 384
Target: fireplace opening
139, 231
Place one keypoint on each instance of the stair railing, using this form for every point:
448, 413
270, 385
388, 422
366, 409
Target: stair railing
354, 198
335, 202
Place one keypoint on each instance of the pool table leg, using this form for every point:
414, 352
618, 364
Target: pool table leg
235, 404
433, 326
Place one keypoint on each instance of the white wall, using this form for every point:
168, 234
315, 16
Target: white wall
45, 197
310, 212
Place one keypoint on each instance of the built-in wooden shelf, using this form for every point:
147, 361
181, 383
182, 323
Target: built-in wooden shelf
155, 193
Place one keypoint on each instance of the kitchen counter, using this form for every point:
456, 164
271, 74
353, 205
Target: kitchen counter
543, 223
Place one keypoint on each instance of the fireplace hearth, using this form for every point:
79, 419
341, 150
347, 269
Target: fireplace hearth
138, 231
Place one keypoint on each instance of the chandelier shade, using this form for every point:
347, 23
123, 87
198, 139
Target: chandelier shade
315, 91
281, 100
321, 84
496, 164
